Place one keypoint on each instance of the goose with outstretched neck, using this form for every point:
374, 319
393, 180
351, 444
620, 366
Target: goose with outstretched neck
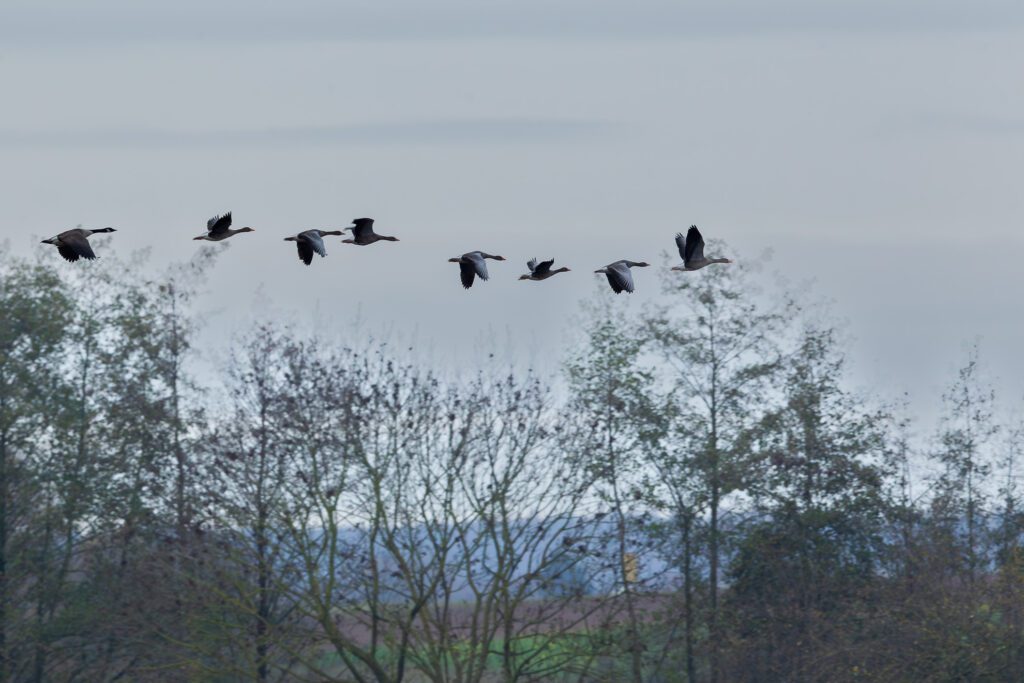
473, 264
74, 244
691, 248
363, 234
619, 275
542, 270
219, 228
310, 242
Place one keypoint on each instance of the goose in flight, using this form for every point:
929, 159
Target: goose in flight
363, 234
219, 228
473, 263
74, 244
310, 242
542, 270
620, 277
691, 248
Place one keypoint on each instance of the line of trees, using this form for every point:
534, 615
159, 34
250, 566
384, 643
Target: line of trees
700, 497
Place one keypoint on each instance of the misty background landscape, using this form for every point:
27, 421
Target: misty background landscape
219, 464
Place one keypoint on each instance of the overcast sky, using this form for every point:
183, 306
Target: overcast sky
874, 146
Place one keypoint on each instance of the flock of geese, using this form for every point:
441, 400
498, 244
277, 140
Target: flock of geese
74, 245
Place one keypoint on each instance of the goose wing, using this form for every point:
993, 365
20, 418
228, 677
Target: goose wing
681, 245
532, 264
541, 268
694, 245
315, 241
467, 272
479, 264
74, 243
620, 277
67, 253
363, 227
305, 251
218, 225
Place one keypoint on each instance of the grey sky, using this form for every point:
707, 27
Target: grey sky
876, 147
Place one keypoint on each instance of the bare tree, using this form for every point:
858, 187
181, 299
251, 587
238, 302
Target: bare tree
615, 417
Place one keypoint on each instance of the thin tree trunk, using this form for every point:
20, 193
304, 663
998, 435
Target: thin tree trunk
691, 669
263, 570
713, 578
180, 483
263, 598
713, 552
716, 491
4, 579
4, 527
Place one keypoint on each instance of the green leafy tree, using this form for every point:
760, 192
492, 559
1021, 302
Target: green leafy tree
821, 510
35, 315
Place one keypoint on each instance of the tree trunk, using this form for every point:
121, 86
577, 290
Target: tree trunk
716, 492
691, 672
4, 511
713, 576
263, 597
